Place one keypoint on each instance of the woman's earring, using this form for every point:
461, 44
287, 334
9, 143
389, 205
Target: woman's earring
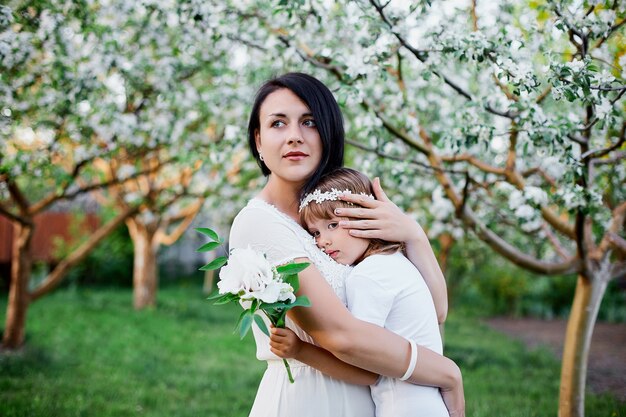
261, 157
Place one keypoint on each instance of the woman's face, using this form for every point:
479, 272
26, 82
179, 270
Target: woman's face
288, 139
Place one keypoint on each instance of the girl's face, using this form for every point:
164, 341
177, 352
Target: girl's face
336, 242
288, 139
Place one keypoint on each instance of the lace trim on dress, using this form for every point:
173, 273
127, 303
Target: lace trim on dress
334, 273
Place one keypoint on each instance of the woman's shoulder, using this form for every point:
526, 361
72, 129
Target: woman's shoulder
258, 213
261, 226
255, 209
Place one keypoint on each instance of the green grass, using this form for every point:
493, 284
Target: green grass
88, 353
503, 378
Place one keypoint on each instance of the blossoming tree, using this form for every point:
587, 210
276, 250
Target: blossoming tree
179, 96
509, 114
47, 149
108, 84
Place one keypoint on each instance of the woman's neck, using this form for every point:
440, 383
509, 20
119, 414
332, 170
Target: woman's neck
282, 195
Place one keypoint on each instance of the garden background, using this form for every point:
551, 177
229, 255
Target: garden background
499, 126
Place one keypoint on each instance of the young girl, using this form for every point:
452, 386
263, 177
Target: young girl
384, 288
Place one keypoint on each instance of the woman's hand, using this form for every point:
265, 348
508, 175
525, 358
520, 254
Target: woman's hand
378, 219
284, 343
381, 219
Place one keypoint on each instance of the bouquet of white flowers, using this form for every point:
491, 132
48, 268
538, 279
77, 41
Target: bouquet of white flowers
248, 278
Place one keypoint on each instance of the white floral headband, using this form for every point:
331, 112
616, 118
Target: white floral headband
333, 195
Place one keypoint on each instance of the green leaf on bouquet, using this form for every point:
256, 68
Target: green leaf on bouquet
209, 232
226, 298
241, 316
293, 281
292, 268
215, 264
246, 322
302, 301
215, 294
259, 322
274, 306
207, 247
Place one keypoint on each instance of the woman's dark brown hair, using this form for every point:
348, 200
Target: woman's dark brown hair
326, 113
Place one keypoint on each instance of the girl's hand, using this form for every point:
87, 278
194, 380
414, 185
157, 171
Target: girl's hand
284, 343
378, 219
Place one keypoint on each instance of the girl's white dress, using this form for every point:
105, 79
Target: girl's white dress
387, 290
266, 229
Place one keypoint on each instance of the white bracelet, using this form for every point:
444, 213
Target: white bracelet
412, 362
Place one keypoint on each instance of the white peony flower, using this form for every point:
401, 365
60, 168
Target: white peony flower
247, 271
273, 292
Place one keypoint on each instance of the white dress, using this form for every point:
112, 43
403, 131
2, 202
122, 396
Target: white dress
266, 229
387, 290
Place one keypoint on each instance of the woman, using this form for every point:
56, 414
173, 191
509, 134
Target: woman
296, 134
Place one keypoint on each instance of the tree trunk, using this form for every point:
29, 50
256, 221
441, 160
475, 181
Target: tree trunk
447, 242
21, 265
587, 299
209, 280
145, 270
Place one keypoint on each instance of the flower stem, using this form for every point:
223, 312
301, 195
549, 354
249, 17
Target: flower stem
274, 321
288, 370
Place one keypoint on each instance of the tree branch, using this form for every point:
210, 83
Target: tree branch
598, 153
579, 140
617, 156
613, 30
399, 133
611, 238
422, 58
400, 159
555, 242
504, 89
14, 217
472, 160
514, 254
22, 203
188, 215
542, 173
544, 94
55, 277
495, 241
474, 16
52, 197
616, 88
618, 270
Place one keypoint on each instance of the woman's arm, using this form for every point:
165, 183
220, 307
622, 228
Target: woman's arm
286, 344
363, 344
382, 219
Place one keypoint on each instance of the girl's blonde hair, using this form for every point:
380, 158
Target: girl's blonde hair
345, 179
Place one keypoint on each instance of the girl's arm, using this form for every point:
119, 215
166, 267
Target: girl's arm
382, 219
286, 344
363, 344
